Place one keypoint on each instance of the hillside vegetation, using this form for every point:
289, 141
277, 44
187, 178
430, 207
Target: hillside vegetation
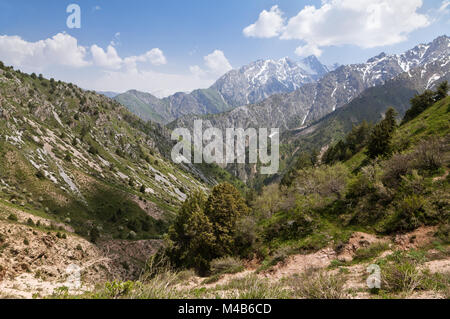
386, 203
81, 159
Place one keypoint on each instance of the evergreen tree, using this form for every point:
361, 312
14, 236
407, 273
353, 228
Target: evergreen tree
224, 206
380, 140
442, 91
419, 103
191, 237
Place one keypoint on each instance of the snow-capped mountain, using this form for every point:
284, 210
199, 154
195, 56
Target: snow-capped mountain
340, 86
426, 65
249, 84
263, 78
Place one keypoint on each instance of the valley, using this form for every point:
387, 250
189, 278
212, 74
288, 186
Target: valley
88, 187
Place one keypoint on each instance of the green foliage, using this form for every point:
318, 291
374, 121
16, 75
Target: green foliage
204, 228
380, 139
117, 289
410, 213
226, 265
319, 285
400, 273
370, 252
223, 208
352, 144
13, 217
423, 101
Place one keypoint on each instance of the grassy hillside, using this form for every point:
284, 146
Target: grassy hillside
84, 160
316, 238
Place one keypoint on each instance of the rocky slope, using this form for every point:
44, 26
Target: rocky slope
313, 101
318, 113
82, 159
249, 84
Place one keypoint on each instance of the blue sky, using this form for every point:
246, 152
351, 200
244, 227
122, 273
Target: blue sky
177, 45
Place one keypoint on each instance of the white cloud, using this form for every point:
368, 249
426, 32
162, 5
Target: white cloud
109, 59
103, 69
364, 23
62, 49
160, 84
216, 64
269, 24
307, 50
445, 7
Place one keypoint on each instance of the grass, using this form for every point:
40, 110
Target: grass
371, 252
319, 285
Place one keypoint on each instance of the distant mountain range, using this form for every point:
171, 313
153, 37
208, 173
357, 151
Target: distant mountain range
337, 88
249, 84
109, 94
316, 114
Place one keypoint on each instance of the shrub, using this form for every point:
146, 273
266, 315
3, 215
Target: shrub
429, 154
247, 237
118, 289
226, 265
370, 252
93, 150
401, 276
410, 213
398, 165
40, 174
13, 217
94, 235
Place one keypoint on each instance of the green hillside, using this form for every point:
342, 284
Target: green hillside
82, 159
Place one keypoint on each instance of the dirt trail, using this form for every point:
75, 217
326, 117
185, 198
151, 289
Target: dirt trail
356, 274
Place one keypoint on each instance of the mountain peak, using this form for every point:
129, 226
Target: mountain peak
312, 65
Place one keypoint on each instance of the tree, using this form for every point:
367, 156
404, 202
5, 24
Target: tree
191, 237
142, 189
223, 207
380, 139
352, 144
442, 91
204, 229
419, 103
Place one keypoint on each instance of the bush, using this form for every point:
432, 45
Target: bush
370, 252
40, 174
429, 154
13, 217
93, 150
401, 276
410, 213
396, 167
226, 265
94, 235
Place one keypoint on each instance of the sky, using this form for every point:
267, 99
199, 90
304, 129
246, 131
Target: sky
163, 47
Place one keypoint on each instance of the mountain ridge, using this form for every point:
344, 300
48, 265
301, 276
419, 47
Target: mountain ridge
249, 84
